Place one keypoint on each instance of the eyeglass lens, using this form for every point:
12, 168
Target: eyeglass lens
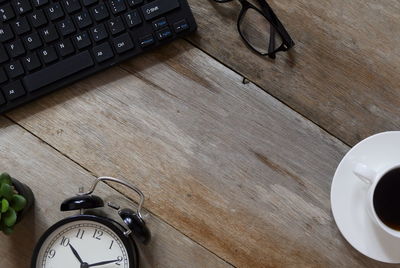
258, 32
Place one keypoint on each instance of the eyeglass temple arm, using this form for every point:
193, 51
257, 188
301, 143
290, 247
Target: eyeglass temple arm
269, 13
271, 46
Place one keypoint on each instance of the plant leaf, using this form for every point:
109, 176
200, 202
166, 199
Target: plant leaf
6, 191
4, 205
10, 217
5, 178
18, 202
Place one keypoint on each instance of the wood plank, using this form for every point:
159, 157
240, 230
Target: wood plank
223, 162
54, 178
343, 71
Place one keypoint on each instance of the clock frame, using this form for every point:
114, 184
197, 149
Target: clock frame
117, 228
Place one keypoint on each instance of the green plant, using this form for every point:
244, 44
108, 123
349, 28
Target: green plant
10, 204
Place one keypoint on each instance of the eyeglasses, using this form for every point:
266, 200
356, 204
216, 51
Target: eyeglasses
261, 30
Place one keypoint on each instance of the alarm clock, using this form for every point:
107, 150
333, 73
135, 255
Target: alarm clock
89, 240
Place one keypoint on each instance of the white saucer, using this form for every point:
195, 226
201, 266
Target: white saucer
349, 197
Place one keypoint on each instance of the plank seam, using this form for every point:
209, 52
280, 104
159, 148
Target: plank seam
129, 198
264, 90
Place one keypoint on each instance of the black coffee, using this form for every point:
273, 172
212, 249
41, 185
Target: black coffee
387, 199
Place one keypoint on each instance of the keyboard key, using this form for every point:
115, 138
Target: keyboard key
37, 18
66, 27
116, 25
117, 6
31, 62
58, 71
146, 41
123, 43
3, 77
48, 55
55, 11
103, 52
160, 23
5, 33
158, 8
15, 48
83, 19
99, 32
3, 54
49, 33
39, 3
14, 69
181, 26
22, 6
21, 26
65, 48
133, 18
133, 3
89, 2
82, 40
164, 34
100, 12
32, 41
6, 12
13, 90
72, 5
42, 42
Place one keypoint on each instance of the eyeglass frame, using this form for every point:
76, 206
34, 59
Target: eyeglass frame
267, 12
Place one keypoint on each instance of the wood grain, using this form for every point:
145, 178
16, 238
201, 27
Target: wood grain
343, 72
54, 178
223, 162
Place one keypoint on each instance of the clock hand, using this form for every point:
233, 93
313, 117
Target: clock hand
103, 263
76, 254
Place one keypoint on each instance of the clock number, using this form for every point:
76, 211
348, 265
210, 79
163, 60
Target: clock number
64, 241
112, 242
80, 233
97, 234
119, 260
51, 254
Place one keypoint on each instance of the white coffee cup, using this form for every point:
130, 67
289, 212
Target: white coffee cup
372, 178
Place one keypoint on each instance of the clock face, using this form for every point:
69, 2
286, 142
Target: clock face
83, 244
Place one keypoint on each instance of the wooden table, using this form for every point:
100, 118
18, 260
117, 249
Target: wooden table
235, 174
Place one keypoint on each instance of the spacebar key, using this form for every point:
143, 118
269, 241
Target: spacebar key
58, 71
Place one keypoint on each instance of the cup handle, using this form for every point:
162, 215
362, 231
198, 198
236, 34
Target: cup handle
364, 173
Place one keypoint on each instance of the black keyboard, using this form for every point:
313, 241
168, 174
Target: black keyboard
47, 44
